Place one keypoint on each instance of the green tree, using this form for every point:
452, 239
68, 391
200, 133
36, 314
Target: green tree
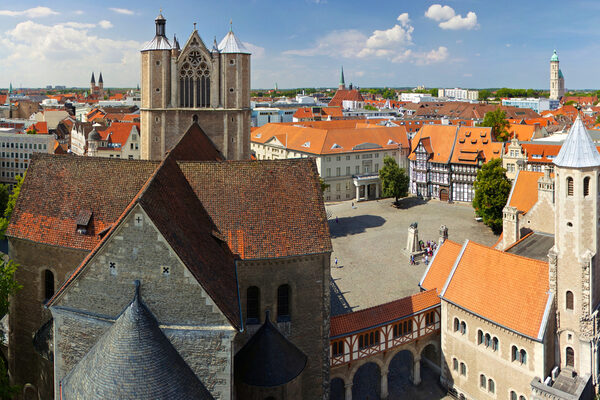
370, 107
10, 205
498, 122
394, 180
4, 195
8, 287
491, 193
484, 94
324, 185
598, 119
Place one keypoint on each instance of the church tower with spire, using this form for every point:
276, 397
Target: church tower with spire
192, 84
557, 80
574, 266
92, 84
342, 85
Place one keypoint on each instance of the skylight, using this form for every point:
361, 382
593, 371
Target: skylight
306, 144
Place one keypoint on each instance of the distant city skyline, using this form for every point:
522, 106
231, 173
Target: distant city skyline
304, 43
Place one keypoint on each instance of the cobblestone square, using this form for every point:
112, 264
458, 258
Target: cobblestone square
369, 242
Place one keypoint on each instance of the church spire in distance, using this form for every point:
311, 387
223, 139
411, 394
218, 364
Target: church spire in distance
342, 85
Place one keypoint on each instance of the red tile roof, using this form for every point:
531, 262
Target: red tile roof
474, 144
524, 193
41, 128
118, 133
318, 112
540, 152
495, 285
195, 145
441, 139
367, 318
341, 95
441, 264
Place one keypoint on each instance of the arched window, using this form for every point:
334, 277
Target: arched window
522, 398
463, 368
495, 344
569, 300
570, 357
513, 395
491, 386
253, 305
586, 186
479, 336
283, 303
194, 81
523, 357
569, 186
456, 324
488, 340
455, 364
482, 381
48, 284
463, 327
514, 353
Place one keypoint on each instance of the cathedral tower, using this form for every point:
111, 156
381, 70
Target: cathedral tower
92, 84
574, 266
194, 84
557, 80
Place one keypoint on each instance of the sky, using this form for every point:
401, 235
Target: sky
303, 43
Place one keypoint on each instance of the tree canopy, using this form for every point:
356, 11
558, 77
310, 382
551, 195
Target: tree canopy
497, 121
10, 205
492, 188
394, 180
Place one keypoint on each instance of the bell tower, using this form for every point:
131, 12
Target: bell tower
554, 79
574, 268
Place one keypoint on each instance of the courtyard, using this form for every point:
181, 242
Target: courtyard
369, 242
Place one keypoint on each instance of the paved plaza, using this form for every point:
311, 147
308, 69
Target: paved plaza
370, 239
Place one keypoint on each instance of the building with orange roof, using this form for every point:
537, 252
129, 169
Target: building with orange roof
118, 140
348, 156
530, 156
317, 114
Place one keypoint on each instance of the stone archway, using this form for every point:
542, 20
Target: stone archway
430, 360
337, 389
401, 371
366, 382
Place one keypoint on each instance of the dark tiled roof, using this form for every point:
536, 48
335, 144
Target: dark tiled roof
535, 245
177, 213
369, 317
195, 145
265, 209
268, 359
133, 360
58, 187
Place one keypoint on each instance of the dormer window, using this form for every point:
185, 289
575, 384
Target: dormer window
306, 144
83, 221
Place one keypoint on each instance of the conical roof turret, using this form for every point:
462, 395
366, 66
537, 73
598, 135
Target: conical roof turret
578, 150
554, 57
231, 44
160, 41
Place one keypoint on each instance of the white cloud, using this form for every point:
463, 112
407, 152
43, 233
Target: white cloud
67, 53
78, 12
76, 25
437, 12
36, 12
458, 22
448, 19
257, 51
104, 24
392, 44
122, 11
507, 44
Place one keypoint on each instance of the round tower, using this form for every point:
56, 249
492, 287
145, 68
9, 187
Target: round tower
155, 91
574, 267
93, 141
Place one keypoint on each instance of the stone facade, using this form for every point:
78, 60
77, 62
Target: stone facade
308, 278
27, 313
507, 375
169, 105
97, 296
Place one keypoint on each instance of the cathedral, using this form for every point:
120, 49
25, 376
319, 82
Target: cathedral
195, 84
97, 90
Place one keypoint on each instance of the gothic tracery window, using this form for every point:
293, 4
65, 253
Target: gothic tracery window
194, 81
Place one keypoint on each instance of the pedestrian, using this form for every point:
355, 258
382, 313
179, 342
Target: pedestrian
412, 259
426, 259
337, 221
336, 262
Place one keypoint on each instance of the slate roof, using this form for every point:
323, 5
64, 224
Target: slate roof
494, 285
58, 187
345, 324
268, 359
231, 44
196, 145
133, 360
533, 245
578, 150
264, 209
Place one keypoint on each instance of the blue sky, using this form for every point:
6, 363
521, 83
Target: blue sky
303, 43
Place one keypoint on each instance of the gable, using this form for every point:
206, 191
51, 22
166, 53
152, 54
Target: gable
136, 250
194, 43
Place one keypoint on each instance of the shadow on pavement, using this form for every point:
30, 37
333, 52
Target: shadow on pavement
353, 225
339, 304
409, 202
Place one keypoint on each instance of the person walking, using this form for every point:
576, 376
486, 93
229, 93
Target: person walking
426, 259
412, 259
336, 262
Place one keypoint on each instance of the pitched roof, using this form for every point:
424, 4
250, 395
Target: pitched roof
195, 145
57, 187
436, 274
133, 359
321, 112
268, 359
304, 139
524, 193
473, 144
341, 325
231, 44
118, 133
521, 132
495, 285
344, 94
41, 128
441, 140
541, 152
578, 150
264, 209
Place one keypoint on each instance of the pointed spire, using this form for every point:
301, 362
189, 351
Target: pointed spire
215, 48
93, 79
231, 25
578, 150
100, 78
161, 22
342, 85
